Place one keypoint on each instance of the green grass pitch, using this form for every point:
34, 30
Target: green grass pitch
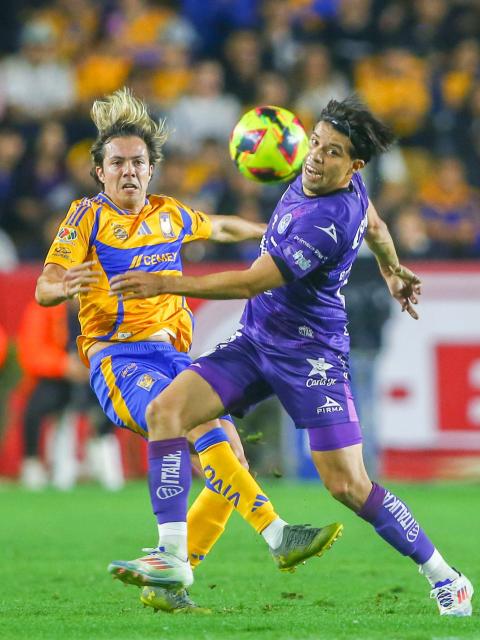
54, 549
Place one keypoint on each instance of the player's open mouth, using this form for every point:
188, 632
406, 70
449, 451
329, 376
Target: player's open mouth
311, 172
129, 185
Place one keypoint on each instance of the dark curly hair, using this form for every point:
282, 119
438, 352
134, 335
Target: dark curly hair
368, 135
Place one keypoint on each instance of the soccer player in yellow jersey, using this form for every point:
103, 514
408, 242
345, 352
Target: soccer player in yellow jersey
134, 349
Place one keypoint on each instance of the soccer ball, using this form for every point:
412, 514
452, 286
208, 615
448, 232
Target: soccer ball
268, 144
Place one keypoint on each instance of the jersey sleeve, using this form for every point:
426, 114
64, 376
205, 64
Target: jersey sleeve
72, 241
309, 243
196, 225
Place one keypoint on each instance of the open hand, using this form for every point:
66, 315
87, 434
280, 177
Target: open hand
79, 279
136, 284
405, 287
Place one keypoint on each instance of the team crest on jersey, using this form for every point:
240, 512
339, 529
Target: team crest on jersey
284, 222
119, 231
146, 382
67, 234
166, 225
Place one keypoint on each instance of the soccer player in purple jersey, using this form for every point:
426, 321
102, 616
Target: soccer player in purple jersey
293, 339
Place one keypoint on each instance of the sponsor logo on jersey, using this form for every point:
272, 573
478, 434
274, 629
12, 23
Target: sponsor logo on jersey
119, 231
301, 261
284, 222
62, 252
146, 382
313, 249
152, 260
67, 234
319, 368
144, 230
166, 225
330, 231
329, 406
305, 331
402, 515
124, 335
128, 370
360, 231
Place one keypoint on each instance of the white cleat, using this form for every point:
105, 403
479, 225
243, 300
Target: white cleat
157, 569
454, 597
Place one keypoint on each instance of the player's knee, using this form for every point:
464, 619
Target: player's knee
161, 419
349, 491
343, 490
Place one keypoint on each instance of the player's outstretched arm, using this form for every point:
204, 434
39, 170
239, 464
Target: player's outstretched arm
402, 283
57, 284
247, 283
235, 229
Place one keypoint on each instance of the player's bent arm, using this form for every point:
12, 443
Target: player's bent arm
261, 276
235, 229
50, 289
380, 242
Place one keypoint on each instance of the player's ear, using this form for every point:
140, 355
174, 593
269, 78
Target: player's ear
100, 175
150, 172
358, 164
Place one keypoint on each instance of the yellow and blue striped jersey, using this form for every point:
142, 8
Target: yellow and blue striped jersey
96, 229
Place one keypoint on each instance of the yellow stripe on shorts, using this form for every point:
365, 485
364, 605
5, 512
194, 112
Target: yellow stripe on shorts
115, 396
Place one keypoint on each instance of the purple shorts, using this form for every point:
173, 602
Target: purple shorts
312, 386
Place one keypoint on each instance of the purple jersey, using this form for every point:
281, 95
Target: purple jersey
314, 241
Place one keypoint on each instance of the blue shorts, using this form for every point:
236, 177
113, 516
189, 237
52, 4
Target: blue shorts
313, 386
127, 376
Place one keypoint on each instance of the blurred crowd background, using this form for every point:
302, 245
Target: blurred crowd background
201, 63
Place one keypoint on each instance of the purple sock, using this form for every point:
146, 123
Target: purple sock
394, 522
169, 479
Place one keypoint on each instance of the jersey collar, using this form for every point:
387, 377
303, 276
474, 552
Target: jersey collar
102, 197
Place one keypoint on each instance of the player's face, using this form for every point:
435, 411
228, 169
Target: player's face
328, 165
126, 172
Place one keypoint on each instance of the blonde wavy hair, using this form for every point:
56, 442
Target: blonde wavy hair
121, 114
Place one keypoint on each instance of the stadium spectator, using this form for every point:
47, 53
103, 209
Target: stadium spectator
316, 82
36, 82
411, 235
243, 64
395, 84
466, 135
12, 148
351, 35
272, 88
60, 391
280, 42
451, 210
204, 112
104, 68
75, 24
